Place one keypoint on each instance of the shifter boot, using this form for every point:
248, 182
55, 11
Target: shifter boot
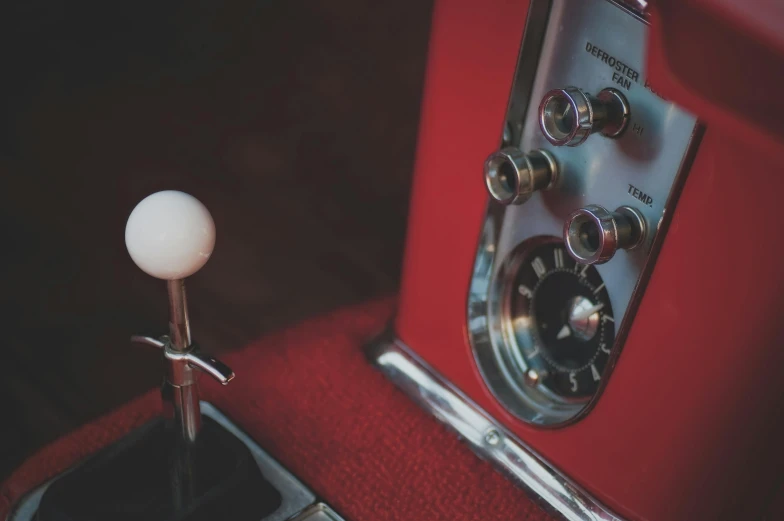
131, 481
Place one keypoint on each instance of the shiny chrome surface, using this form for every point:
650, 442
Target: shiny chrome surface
181, 378
517, 109
210, 365
506, 138
642, 167
618, 112
594, 234
318, 512
295, 495
179, 323
568, 116
180, 393
583, 319
180, 390
486, 436
638, 7
149, 341
184, 362
512, 177
207, 364
498, 350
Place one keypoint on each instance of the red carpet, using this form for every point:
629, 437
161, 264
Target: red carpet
309, 397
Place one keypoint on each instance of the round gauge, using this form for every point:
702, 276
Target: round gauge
559, 318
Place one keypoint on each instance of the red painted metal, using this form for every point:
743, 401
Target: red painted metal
723, 59
690, 424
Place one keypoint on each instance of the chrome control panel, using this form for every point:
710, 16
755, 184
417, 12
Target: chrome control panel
581, 191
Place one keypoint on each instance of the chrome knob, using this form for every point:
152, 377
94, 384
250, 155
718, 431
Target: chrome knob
593, 234
512, 176
568, 116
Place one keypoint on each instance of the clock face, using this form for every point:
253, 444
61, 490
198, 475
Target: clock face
559, 318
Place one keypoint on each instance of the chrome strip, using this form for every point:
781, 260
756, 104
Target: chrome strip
485, 436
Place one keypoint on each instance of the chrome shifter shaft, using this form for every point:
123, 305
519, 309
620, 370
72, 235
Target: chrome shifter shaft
183, 358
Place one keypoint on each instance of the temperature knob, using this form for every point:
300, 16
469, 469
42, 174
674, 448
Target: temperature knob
593, 234
568, 116
512, 176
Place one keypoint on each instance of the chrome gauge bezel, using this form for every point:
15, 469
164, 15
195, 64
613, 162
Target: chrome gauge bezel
537, 402
505, 285
496, 351
514, 353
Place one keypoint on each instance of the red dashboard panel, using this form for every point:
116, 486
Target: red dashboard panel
723, 60
689, 424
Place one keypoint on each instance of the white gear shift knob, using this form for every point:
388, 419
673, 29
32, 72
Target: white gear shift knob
170, 235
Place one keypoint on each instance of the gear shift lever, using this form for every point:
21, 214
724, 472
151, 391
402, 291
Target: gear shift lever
170, 235
170, 469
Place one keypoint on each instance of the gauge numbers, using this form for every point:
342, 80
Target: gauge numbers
560, 318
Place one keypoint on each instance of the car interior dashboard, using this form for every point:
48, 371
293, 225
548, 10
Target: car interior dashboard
340, 261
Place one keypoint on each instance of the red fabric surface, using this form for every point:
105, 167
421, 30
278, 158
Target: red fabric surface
309, 397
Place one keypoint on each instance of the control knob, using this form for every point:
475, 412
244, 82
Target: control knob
593, 234
568, 116
512, 176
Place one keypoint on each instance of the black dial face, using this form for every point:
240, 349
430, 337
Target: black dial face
561, 319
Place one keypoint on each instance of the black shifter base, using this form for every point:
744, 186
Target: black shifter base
131, 481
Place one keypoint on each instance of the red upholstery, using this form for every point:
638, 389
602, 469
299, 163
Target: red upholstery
310, 398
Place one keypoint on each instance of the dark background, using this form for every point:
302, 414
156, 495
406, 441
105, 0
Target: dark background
294, 122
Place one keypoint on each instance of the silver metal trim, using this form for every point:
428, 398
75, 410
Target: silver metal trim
512, 177
193, 356
625, 228
486, 437
544, 214
568, 116
523, 395
180, 389
295, 496
535, 27
569, 107
318, 512
638, 8
619, 112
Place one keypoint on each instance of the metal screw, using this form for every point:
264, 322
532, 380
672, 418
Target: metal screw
492, 437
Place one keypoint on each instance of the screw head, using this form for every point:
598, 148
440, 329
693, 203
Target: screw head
492, 437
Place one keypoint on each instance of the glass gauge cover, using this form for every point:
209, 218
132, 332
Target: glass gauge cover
559, 317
